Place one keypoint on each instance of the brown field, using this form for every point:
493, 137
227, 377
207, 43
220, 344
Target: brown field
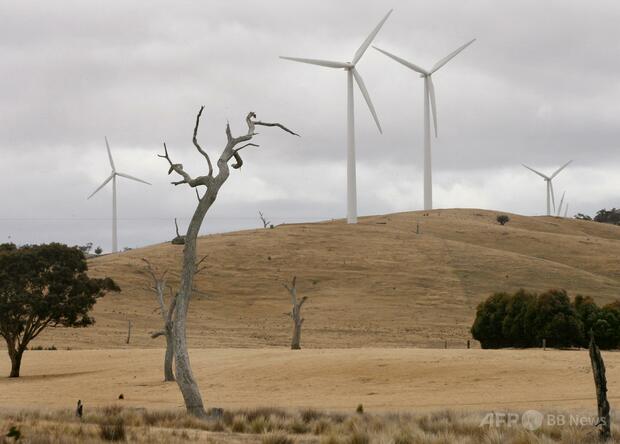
333, 379
375, 284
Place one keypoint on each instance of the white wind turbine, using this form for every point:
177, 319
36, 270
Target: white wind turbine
429, 98
548, 179
112, 177
352, 74
559, 213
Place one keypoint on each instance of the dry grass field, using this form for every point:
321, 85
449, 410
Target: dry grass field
409, 395
334, 379
376, 284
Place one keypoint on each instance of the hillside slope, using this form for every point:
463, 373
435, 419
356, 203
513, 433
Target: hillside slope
377, 283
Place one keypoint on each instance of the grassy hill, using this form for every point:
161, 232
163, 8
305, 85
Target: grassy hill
377, 283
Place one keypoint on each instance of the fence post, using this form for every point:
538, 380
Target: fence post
544, 344
446, 344
468, 344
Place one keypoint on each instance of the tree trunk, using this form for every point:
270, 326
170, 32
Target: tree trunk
600, 381
16, 362
296, 342
169, 358
184, 376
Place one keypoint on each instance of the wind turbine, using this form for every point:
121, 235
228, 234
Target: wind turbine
566, 211
429, 97
559, 213
352, 74
112, 177
548, 179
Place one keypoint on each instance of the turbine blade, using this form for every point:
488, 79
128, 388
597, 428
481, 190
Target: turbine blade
560, 169
107, 145
360, 83
450, 56
327, 63
561, 203
431, 94
537, 172
409, 65
362, 49
101, 186
127, 176
552, 195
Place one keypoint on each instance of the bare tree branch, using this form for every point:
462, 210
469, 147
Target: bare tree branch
176, 167
198, 268
195, 140
279, 125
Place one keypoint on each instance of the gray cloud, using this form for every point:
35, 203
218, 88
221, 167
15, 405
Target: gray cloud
539, 86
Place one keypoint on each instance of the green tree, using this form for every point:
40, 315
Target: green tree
554, 318
502, 219
44, 286
490, 316
608, 216
513, 325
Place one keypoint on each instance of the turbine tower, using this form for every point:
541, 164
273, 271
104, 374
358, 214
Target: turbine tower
112, 177
352, 74
429, 102
548, 179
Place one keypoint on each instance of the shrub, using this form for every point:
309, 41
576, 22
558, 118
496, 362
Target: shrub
308, 415
113, 431
404, 437
502, 219
488, 325
553, 318
277, 438
524, 319
239, 424
608, 216
359, 409
299, 427
359, 436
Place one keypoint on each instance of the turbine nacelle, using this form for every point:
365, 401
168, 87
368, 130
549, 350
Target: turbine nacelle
549, 181
350, 67
112, 177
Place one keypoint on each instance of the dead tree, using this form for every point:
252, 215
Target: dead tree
212, 183
600, 381
264, 220
295, 314
159, 288
178, 240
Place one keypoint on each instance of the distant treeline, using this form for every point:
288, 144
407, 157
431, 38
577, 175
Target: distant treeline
604, 216
524, 319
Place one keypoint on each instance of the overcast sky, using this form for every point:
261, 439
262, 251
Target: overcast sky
541, 86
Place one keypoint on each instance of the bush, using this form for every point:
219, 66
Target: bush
277, 438
524, 319
113, 431
502, 219
488, 325
608, 216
